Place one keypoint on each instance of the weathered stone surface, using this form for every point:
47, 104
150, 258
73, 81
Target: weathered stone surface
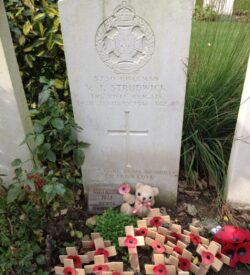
14, 115
238, 180
127, 62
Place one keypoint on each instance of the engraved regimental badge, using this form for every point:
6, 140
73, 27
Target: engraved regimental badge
125, 41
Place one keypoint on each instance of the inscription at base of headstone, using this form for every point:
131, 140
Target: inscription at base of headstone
103, 196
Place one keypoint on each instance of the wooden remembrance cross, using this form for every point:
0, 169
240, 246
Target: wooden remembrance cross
68, 268
127, 133
72, 251
101, 249
89, 244
131, 241
101, 266
160, 266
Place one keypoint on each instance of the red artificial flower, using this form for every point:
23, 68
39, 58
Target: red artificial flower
77, 261
184, 264
158, 247
177, 249
243, 252
160, 270
195, 240
218, 255
101, 251
141, 232
116, 273
100, 268
156, 221
230, 234
130, 242
229, 251
176, 236
69, 271
124, 188
207, 257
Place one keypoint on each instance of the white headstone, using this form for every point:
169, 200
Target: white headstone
224, 7
127, 62
14, 114
238, 182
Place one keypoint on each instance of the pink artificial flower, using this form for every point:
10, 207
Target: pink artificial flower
160, 270
158, 247
156, 221
69, 271
124, 188
130, 242
207, 257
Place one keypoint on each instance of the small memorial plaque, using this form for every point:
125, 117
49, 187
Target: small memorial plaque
103, 196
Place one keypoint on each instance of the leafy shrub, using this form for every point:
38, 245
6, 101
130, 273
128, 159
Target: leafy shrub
21, 236
111, 225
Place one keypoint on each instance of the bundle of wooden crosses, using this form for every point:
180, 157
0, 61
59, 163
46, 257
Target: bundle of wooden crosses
174, 251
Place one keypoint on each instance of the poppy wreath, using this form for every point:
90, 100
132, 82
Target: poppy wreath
235, 244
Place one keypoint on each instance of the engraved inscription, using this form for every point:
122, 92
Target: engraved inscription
125, 41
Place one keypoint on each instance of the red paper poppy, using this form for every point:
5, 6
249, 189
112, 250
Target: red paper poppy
69, 271
184, 264
160, 270
77, 261
243, 252
101, 251
218, 255
230, 234
100, 268
141, 232
177, 249
116, 273
130, 242
124, 188
207, 257
156, 221
158, 247
229, 251
195, 240
176, 236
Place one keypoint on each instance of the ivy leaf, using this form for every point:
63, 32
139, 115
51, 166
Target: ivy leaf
43, 97
78, 157
16, 162
51, 156
57, 123
13, 193
38, 127
39, 139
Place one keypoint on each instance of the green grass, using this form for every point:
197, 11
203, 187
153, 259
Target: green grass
217, 64
242, 5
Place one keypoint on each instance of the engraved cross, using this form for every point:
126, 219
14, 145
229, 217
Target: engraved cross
127, 133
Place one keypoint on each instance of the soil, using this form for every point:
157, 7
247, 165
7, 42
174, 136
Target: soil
209, 213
